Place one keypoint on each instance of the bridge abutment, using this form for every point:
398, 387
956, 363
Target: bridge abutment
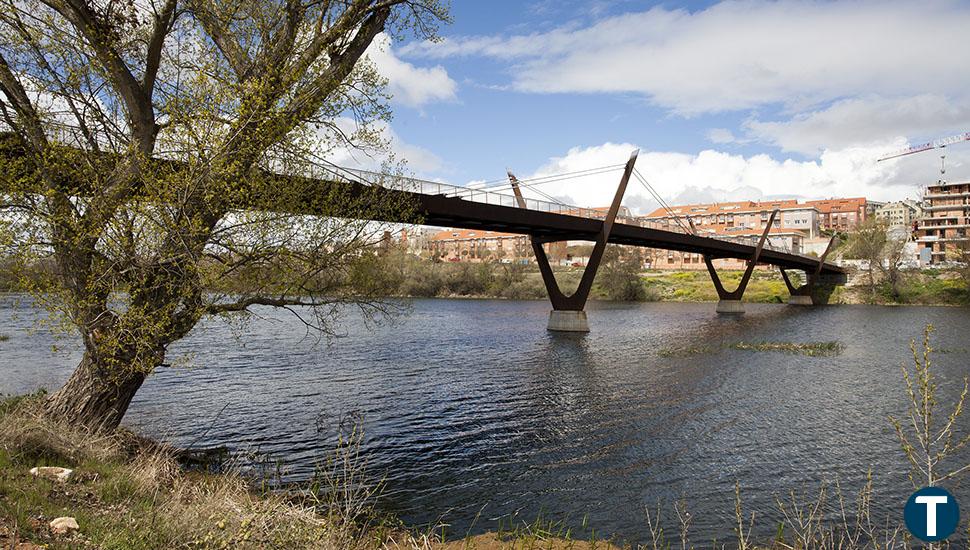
564, 320
730, 307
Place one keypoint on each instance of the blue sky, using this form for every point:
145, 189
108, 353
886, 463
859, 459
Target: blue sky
726, 100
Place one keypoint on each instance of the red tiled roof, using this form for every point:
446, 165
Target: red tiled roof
827, 206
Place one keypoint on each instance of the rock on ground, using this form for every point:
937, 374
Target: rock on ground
64, 525
55, 473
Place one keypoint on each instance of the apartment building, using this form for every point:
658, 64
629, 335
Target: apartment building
726, 216
843, 214
946, 218
743, 221
476, 245
900, 214
783, 239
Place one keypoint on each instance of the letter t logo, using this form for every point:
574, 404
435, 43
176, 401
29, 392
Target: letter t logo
931, 502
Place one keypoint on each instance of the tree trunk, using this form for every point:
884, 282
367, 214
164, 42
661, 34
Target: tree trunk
94, 397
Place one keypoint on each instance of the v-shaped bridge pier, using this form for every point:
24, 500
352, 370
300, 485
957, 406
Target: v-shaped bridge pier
568, 312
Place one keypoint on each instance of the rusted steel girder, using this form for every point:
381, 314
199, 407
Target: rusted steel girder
737, 293
577, 300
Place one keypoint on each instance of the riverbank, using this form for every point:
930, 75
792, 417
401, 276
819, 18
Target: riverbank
63, 488
126, 491
408, 276
502, 281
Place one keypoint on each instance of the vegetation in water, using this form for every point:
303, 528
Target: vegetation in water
812, 349
687, 351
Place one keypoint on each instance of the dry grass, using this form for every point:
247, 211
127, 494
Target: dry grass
25, 432
131, 493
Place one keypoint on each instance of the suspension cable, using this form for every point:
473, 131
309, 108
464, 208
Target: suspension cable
552, 178
530, 183
643, 181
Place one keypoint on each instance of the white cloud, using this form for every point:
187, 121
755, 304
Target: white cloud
718, 176
742, 54
721, 135
869, 120
409, 85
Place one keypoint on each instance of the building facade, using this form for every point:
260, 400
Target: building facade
742, 221
737, 216
843, 214
476, 245
783, 239
900, 214
946, 218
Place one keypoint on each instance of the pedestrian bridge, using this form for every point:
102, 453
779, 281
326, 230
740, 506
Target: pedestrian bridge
440, 204
547, 221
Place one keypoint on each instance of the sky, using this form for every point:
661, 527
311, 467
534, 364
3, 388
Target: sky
731, 100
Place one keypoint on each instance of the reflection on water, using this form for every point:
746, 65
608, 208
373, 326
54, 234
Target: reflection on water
472, 408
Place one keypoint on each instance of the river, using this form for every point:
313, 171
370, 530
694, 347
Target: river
475, 414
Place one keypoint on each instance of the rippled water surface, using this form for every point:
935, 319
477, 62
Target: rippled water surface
472, 409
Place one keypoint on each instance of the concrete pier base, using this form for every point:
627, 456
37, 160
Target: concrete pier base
800, 300
568, 321
730, 307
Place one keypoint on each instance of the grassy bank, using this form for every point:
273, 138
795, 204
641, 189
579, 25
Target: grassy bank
490, 281
696, 286
127, 492
917, 287
523, 282
619, 279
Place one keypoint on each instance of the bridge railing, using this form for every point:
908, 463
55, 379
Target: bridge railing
501, 199
427, 187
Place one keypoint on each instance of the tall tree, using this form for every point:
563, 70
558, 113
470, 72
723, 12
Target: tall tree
146, 133
883, 254
620, 277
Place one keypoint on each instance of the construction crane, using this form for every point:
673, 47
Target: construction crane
937, 144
